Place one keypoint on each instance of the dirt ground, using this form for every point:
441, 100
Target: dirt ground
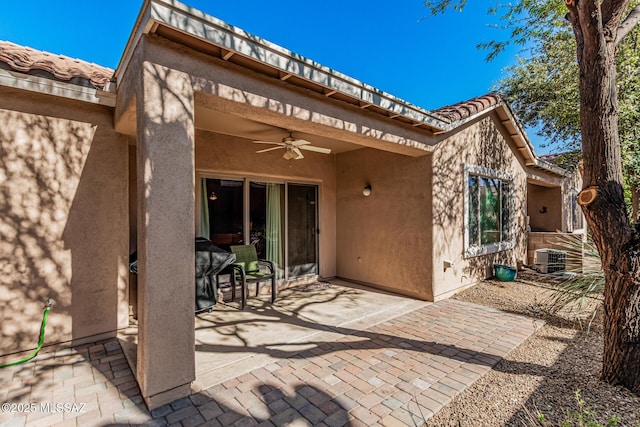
544, 373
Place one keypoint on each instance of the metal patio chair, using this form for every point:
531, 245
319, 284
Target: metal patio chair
248, 267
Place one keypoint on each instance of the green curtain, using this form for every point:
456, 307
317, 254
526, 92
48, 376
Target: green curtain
204, 210
273, 232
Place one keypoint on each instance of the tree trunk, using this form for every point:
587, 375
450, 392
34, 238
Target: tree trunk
621, 358
606, 215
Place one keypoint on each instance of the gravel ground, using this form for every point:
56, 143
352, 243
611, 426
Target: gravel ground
542, 375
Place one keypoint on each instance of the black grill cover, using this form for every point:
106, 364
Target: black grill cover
210, 260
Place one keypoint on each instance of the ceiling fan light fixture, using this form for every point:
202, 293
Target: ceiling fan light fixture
289, 155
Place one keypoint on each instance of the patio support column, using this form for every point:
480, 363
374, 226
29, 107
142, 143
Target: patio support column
166, 208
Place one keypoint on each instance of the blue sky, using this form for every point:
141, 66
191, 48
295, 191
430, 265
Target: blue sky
394, 46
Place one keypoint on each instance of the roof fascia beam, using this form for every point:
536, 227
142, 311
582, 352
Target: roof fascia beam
17, 80
144, 25
199, 25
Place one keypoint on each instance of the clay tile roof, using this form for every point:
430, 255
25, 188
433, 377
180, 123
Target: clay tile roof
30, 61
566, 160
466, 109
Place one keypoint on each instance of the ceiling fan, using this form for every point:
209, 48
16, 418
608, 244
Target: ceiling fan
292, 147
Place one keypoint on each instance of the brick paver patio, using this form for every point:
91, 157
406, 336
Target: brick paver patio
395, 373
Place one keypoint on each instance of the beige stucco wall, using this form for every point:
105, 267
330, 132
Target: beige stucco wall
557, 193
385, 239
546, 208
223, 155
63, 220
485, 143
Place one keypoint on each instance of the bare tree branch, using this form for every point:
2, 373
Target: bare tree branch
628, 24
572, 17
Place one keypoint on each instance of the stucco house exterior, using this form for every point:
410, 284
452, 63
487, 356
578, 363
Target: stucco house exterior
97, 163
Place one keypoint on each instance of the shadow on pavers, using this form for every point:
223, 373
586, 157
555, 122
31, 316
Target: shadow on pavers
266, 404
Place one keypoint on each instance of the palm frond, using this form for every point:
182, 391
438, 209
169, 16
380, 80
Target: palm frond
582, 285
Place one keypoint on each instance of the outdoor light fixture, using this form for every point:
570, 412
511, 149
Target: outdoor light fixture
213, 196
367, 190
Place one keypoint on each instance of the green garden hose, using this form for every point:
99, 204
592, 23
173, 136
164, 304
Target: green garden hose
47, 307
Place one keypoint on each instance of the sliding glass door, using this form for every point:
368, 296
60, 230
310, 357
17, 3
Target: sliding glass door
302, 229
279, 219
223, 218
266, 222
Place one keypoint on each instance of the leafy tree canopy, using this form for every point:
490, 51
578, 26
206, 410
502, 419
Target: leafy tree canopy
543, 86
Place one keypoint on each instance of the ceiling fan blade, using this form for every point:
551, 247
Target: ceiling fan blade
298, 152
316, 149
299, 142
269, 149
268, 142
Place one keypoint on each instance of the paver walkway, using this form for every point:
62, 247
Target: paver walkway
395, 373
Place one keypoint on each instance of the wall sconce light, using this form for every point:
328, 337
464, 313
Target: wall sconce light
543, 210
366, 192
213, 196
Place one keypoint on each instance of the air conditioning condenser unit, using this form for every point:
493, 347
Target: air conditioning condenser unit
550, 260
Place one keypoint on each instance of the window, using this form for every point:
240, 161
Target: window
488, 211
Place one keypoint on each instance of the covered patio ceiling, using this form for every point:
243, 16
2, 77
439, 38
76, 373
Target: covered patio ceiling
234, 125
